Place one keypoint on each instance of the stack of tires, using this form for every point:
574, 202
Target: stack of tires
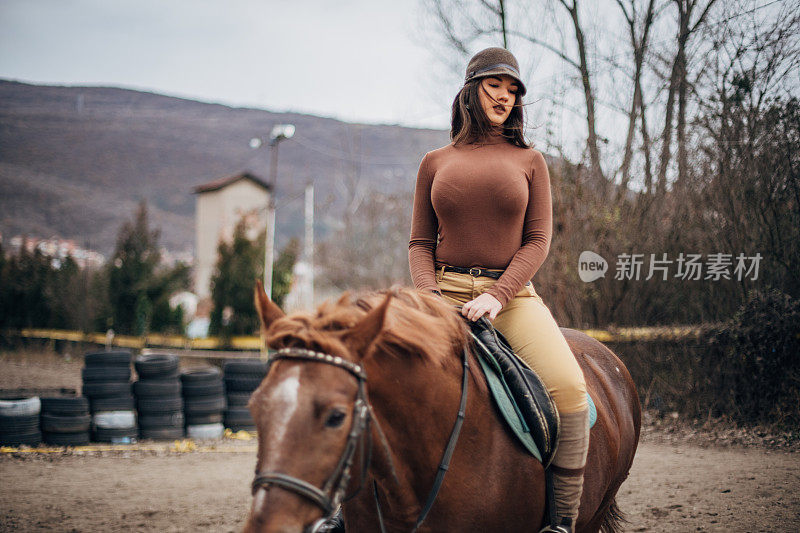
19, 421
107, 384
158, 397
242, 377
203, 402
66, 421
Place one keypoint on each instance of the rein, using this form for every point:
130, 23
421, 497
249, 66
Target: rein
331, 495
448, 454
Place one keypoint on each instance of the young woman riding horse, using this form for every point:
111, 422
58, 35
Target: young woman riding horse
360, 404
481, 228
364, 397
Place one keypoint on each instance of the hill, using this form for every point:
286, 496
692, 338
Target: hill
74, 161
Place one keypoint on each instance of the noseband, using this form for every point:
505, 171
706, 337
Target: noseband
330, 495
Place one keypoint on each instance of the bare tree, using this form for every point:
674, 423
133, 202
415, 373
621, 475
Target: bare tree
350, 181
588, 93
463, 23
499, 10
638, 40
749, 170
678, 83
364, 254
708, 88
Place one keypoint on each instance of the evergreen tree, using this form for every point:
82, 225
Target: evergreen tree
100, 315
239, 263
166, 283
38, 291
138, 288
41, 292
232, 285
4, 288
29, 276
131, 271
282, 271
63, 293
142, 315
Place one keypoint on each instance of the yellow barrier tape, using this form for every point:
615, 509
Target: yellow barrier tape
253, 343
246, 343
208, 343
600, 335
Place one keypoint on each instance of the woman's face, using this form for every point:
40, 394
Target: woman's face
498, 94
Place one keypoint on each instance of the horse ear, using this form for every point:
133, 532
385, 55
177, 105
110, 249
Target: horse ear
362, 334
268, 311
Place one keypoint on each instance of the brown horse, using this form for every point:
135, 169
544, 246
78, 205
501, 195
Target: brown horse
391, 363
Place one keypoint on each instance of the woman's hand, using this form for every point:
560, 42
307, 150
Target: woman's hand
485, 303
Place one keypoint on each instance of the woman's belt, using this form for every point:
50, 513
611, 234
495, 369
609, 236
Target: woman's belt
473, 271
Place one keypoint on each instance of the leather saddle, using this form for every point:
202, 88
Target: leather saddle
530, 401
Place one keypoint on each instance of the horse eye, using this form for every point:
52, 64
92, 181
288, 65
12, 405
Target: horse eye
335, 419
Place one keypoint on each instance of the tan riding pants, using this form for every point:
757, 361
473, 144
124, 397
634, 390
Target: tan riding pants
533, 334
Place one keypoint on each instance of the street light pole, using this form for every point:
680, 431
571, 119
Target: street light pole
269, 239
309, 248
279, 133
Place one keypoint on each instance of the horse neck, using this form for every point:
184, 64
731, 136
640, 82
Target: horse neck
414, 405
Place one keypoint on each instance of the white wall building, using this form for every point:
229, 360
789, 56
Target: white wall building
220, 206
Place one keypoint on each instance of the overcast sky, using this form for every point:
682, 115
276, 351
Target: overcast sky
357, 60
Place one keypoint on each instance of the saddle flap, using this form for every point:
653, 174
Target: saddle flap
532, 403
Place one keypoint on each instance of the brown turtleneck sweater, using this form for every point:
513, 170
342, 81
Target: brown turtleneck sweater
489, 205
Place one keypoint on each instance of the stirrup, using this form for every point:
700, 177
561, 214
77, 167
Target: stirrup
331, 524
564, 527
556, 529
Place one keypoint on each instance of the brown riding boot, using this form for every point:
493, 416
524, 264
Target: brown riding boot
568, 465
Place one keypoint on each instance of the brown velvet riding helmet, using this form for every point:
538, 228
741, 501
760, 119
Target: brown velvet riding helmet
494, 61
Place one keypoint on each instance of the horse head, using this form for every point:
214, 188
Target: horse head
310, 410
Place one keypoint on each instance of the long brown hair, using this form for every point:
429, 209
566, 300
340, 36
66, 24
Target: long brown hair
469, 123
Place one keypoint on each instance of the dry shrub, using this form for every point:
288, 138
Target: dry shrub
746, 369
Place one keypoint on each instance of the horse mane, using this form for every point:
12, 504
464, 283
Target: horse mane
415, 324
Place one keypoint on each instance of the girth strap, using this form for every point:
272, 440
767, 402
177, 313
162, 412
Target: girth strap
550, 497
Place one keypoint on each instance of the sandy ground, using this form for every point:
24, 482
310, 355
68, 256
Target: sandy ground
674, 485
688, 488
671, 488
182, 492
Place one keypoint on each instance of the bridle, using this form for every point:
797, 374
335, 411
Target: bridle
332, 493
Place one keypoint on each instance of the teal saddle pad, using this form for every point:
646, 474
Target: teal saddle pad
510, 411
